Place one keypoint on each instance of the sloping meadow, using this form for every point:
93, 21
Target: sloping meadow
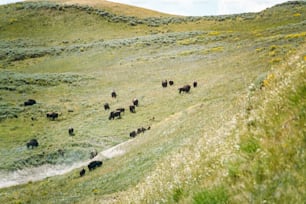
69, 58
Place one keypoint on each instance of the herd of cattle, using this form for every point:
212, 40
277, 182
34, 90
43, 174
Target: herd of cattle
116, 114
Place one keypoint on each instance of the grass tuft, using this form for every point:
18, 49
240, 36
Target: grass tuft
216, 195
250, 145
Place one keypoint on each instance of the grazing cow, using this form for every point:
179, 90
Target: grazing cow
120, 110
171, 83
114, 114
164, 83
132, 109
82, 172
29, 102
133, 134
71, 131
141, 130
114, 95
32, 143
106, 106
195, 84
94, 164
185, 88
52, 115
135, 102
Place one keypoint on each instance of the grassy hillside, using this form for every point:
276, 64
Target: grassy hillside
116, 8
238, 137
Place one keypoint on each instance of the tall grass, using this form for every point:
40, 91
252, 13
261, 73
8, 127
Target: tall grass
271, 164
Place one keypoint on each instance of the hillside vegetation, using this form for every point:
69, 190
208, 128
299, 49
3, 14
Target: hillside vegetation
238, 137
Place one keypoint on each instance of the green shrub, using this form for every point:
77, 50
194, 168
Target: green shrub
260, 79
216, 195
177, 194
9, 111
250, 145
233, 171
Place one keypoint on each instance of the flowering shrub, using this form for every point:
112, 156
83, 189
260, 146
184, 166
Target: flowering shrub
296, 35
297, 15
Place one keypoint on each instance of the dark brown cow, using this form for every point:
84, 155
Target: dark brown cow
132, 109
141, 130
29, 102
133, 134
195, 84
32, 143
82, 172
185, 88
135, 102
106, 106
114, 95
164, 83
71, 131
94, 164
171, 83
121, 110
52, 115
114, 114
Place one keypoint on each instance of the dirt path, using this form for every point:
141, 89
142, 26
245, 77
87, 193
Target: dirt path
13, 178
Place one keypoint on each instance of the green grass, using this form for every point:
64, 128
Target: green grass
202, 146
276, 167
215, 196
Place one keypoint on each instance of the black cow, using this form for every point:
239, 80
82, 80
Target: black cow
120, 110
106, 106
171, 83
135, 102
133, 134
71, 131
164, 83
132, 109
138, 130
94, 164
32, 143
114, 114
185, 88
114, 95
29, 102
82, 172
52, 115
141, 130
195, 84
